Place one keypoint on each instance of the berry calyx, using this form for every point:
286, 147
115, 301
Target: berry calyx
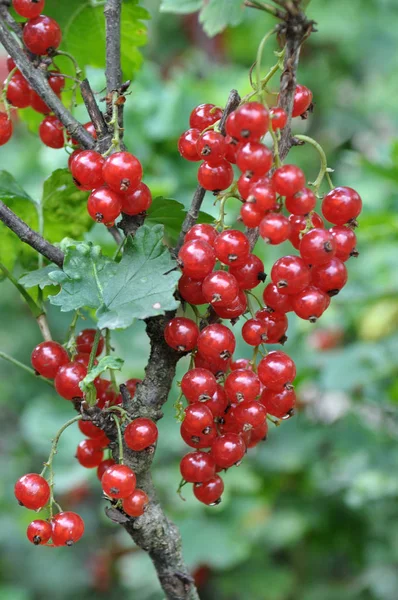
135, 504
250, 414
39, 532
210, 491
211, 147
216, 341
317, 247
67, 528
118, 481
198, 440
198, 419
290, 274
140, 434
242, 385
32, 491
48, 357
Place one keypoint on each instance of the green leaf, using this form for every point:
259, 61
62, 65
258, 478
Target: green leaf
216, 15
171, 214
180, 6
104, 364
40, 277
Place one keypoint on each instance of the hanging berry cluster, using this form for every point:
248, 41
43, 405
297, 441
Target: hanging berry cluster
229, 401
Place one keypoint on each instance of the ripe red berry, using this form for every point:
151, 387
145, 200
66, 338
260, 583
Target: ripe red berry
228, 450
215, 177
250, 215
202, 231
198, 418
250, 414
254, 158
118, 481
274, 228
242, 384
103, 466
288, 180
278, 118
122, 172
262, 195
68, 378
250, 274
140, 434
204, 115
197, 467
302, 100
51, 132
211, 147
104, 205
10, 63
67, 528
237, 307
230, 149
276, 324
39, 532
341, 205
89, 453
301, 203
330, 277
216, 365
137, 201
198, 385
29, 9
216, 341
232, 247
41, 34
32, 491
298, 224
181, 334
251, 121
254, 332
5, 128
209, 492
310, 303
85, 341
90, 430
18, 91
197, 259
218, 402
91, 129
257, 434
290, 274
345, 240
48, 357
241, 363
245, 183
135, 505
57, 83
198, 440
274, 299
220, 288
276, 370
317, 247
86, 169
187, 145
279, 404
191, 290
38, 104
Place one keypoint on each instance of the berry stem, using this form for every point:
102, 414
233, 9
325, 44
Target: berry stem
119, 438
77, 78
16, 362
108, 350
260, 89
36, 310
93, 352
114, 123
5, 90
70, 343
324, 164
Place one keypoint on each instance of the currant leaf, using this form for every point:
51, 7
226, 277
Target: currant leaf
171, 214
40, 277
104, 364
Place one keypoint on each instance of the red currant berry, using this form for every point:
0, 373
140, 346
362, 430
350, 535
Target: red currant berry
276, 324
198, 385
298, 224
279, 404
228, 450
197, 467
68, 378
103, 466
254, 332
204, 116
18, 91
232, 248
218, 366
278, 118
67, 528
140, 434
90, 430
118, 481
301, 203
220, 288
215, 177
275, 300
230, 149
137, 201
86, 169
48, 357
251, 121
72, 157
250, 215
317, 247
197, 259
30, 9
85, 342
288, 180
38, 104
56, 81
254, 159
276, 370
202, 231
5, 128
32, 491
274, 228
290, 274
257, 434
89, 453
181, 334
237, 307
250, 274
122, 172
91, 129
245, 183
250, 414
241, 363
210, 491
211, 147
10, 63
41, 34
345, 240
242, 384
104, 205
302, 100
310, 303
51, 132
39, 532
341, 205
218, 402
187, 145
262, 195
198, 440
198, 418
330, 277
191, 290
216, 341
135, 505
231, 129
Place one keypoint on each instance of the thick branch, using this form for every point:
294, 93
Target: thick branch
12, 24
113, 12
96, 116
27, 235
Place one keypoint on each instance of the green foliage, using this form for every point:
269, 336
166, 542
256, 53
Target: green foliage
171, 214
104, 364
215, 15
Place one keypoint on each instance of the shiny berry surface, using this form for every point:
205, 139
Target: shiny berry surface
202, 231
251, 121
197, 467
232, 247
279, 404
191, 290
122, 172
204, 115
288, 180
346, 241
341, 205
67, 528
278, 118
39, 532
51, 132
137, 201
276, 370
317, 247
181, 334
198, 440
215, 177
187, 145
6, 128
220, 288
118, 481
89, 453
103, 466
302, 100
310, 303
29, 9
68, 378
18, 91
274, 228
86, 169
32, 491
216, 341
198, 418
211, 147
301, 203
140, 434
274, 299
250, 414
210, 491
135, 504
254, 332
249, 275
254, 158
85, 342
198, 385
104, 205
242, 384
48, 357
290, 274
262, 194
299, 224
41, 34
330, 277
197, 259
228, 450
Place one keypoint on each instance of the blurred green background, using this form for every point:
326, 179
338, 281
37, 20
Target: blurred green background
312, 514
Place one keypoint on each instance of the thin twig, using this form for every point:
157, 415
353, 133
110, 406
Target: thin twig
96, 116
